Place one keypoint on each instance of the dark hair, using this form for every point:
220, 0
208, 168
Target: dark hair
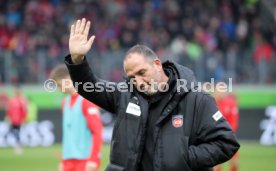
143, 50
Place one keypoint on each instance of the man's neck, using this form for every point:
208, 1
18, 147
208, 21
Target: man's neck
164, 80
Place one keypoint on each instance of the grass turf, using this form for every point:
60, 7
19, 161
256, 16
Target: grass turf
253, 157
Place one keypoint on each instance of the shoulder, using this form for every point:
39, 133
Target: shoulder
86, 102
202, 102
89, 107
199, 96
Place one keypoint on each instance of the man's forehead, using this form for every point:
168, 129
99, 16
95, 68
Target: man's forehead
130, 71
133, 64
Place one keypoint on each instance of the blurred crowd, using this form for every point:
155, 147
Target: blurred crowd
218, 39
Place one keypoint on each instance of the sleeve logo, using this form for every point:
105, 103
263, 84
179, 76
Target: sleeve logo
133, 109
217, 116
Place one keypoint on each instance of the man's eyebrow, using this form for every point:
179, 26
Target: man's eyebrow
141, 70
136, 73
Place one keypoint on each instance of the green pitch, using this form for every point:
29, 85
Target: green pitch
38, 159
253, 157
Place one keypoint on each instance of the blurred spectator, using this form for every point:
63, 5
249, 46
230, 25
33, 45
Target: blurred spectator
262, 54
35, 34
3, 100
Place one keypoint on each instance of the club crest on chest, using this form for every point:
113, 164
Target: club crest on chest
177, 121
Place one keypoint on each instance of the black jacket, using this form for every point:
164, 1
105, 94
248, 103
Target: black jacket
187, 136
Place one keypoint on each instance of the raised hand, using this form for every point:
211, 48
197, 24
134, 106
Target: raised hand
79, 44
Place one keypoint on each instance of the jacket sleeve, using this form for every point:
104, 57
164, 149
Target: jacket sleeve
215, 141
100, 92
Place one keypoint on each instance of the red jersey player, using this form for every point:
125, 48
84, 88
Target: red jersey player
81, 127
227, 104
16, 114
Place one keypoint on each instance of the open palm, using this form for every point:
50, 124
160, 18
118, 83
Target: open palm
79, 44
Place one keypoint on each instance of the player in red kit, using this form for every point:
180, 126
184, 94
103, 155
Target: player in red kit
81, 127
16, 111
228, 106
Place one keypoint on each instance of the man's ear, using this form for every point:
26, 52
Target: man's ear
158, 64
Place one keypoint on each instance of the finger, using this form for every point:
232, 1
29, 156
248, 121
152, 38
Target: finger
91, 40
87, 27
77, 29
72, 32
82, 25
